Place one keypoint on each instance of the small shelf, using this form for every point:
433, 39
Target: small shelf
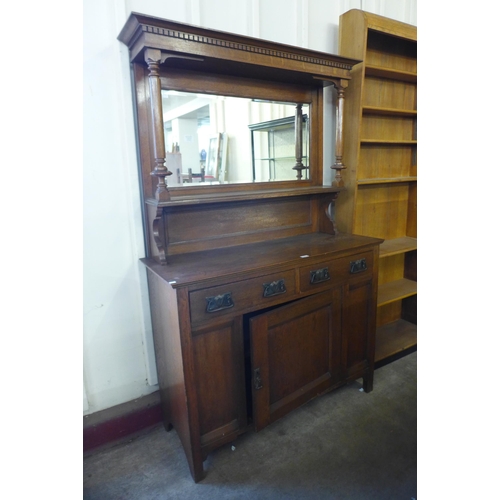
278, 158
386, 180
229, 194
396, 290
375, 110
397, 246
392, 74
395, 339
388, 141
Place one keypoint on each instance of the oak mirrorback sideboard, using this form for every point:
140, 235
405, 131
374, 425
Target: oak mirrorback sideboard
258, 303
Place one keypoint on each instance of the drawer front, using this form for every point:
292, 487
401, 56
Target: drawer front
324, 274
211, 303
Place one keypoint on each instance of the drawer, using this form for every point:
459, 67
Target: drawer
324, 274
241, 296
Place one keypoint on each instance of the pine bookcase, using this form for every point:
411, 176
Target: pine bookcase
380, 155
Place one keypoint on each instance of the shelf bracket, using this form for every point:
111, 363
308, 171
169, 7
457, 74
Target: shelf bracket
158, 229
327, 221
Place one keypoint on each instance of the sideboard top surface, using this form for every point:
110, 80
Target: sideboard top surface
268, 256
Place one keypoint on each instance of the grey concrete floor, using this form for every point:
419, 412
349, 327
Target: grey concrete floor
344, 445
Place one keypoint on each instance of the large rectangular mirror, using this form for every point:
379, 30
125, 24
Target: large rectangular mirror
216, 139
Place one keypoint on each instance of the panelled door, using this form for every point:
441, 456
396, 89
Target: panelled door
219, 375
296, 354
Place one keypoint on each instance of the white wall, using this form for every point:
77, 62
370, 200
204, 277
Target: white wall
117, 350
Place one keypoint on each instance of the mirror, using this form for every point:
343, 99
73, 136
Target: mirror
213, 139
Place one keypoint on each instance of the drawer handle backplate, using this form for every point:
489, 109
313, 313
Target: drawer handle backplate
319, 276
357, 266
219, 302
274, 288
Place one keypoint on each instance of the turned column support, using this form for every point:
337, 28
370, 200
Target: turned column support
340, 85
299, 166
154, 58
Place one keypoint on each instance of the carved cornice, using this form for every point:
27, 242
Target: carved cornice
245, 47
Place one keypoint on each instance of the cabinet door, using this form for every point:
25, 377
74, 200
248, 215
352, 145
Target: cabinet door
358, 330
220, 382
296, 354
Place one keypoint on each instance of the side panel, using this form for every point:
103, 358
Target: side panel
169, 359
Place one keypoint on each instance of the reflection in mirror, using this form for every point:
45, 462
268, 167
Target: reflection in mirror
225, 140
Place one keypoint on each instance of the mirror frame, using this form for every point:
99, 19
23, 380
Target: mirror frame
252, 89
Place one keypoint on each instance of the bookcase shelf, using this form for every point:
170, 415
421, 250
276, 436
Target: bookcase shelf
374, 110
393, 340
397, 246
389, 141
391, 74
380, 153
396, 290
386, 180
